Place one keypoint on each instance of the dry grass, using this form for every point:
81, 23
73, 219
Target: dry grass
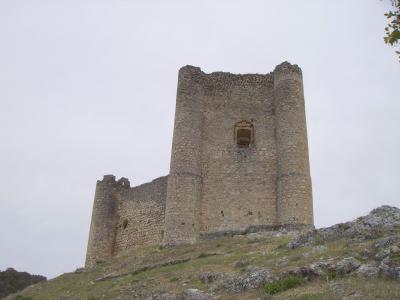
149, 270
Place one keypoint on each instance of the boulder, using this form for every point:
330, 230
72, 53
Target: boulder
368, 270
252, 279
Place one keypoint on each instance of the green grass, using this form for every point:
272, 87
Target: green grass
147, 271
19, 297
282, 285
331, 275
395, 257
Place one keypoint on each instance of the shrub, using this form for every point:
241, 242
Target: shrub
282, 285
331, 275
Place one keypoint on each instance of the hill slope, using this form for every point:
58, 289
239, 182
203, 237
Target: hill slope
353, 260
12, 281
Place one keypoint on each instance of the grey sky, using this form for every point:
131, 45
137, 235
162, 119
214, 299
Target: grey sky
88, 88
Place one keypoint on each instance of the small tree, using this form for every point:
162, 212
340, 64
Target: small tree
392, 30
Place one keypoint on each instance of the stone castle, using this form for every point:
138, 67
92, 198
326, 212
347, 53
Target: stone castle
239, 164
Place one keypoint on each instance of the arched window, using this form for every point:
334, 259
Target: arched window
243, 134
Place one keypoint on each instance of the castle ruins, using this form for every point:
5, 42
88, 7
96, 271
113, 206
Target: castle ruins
239, 163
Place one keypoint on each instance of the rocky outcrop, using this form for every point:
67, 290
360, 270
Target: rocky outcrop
251, 279
384, 219
337, 259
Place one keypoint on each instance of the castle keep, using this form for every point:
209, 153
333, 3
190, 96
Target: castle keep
239, 163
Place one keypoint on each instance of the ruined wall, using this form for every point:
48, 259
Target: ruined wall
219, 181
104, 219
124, 218
141, 216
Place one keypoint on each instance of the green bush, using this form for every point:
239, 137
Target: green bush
282, 285
331, 275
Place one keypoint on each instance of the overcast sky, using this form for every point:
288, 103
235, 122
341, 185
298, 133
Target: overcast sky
88, 88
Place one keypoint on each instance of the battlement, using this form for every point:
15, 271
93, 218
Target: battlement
287, 71
224, 79
239, 161
110, 179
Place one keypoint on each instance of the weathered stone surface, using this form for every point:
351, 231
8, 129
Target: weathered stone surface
239, 164
346, 265
252, 279
340, 267
209, 277
195, 294
165, 296
389, 270
368, 270
381, 219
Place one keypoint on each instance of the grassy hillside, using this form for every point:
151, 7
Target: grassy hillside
354, 260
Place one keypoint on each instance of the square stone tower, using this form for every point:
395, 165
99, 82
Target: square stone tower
239, 154
239, 164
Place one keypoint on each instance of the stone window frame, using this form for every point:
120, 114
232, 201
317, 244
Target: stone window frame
244, 125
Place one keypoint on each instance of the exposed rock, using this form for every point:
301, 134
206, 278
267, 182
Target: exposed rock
209, 277
381, 255
194, 294
305, 272
252, 279
368, 270
343, 266
320, 267
165, 296
381, 219
387, 241
346, 265
389, 271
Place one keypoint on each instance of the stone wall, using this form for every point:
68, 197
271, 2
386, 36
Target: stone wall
182, 218
217, 185
294, 195
238, 182
124, 218
104, 219
141, 216
219, 181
